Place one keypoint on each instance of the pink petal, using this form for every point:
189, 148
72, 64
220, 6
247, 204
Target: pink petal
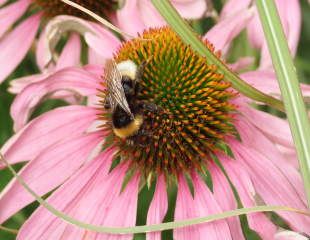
254, 138
70, 55
66, 197
53, 166
20, 38
231, 7
266, 81
227, 29
290, 15
203, 204
41, 57
275, 128
242, 63
47, 130
2, 2
241, 180
158, 207
17, 85
272, 185
130, 11
190, 9
222, 188
104, 43
11, 13
98, 201
149, 15
69, 79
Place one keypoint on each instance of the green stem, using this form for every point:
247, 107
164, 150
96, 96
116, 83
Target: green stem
190, 37
288, 81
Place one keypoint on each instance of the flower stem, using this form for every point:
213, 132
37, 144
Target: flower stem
288, 81
186, 33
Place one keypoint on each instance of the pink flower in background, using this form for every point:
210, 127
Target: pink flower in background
23, 35
290, 15
136, 15
15, 42
63, 147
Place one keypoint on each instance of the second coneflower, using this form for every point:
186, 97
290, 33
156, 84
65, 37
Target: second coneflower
188, 120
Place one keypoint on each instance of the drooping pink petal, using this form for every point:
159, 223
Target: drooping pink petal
67, 196
102, 45
190, 9
158, 207
18, 84
19, 39
203, 204
41, 58
227, 29
241, 64
149, 15
241, 180
233, 6
290, 16
53, 166
266, 81
69, 79
11, 13
47, 130
271, 184
254, 138
70, 55
129, 11
275, 128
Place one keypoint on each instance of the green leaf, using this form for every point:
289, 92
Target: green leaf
183, 29
288, 81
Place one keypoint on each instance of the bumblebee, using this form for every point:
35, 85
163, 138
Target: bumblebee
122, 97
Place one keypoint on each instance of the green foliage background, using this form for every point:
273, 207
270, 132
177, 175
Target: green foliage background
28, 66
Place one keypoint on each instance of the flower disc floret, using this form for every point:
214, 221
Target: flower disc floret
193, 116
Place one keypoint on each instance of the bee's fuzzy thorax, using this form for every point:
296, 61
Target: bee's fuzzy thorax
128, 68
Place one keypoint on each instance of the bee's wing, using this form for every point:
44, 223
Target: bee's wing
116, 95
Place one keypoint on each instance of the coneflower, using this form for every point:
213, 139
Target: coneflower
199, 124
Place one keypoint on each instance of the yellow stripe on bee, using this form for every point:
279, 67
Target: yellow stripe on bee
130, 129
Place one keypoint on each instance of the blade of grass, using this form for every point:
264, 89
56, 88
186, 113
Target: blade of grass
288, 81
147, 228
183, 29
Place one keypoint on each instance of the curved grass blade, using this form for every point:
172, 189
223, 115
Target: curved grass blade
148, 228
288, 82
183, 29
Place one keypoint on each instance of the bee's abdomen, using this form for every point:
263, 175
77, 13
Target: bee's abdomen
120, 118
123, 125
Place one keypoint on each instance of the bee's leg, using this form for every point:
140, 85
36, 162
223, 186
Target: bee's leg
107, 104
150, 107
141, 68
